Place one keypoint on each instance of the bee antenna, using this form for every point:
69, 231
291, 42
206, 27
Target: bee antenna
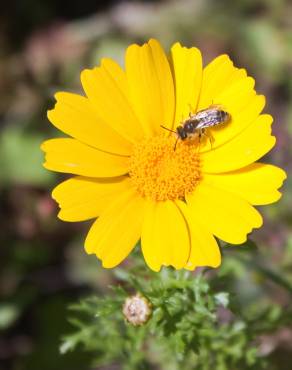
175, 144
168, 129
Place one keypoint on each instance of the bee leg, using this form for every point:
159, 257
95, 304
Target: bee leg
203, 132
199, 134
213, 105
175, 144
210, 137
191, 110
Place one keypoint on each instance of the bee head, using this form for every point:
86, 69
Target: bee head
182, 134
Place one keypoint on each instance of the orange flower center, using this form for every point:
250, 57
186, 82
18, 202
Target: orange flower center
160, 173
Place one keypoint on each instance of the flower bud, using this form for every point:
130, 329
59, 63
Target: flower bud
137, 310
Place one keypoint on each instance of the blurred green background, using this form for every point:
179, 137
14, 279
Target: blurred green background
43, 46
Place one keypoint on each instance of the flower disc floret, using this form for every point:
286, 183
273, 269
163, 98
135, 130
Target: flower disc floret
158, 172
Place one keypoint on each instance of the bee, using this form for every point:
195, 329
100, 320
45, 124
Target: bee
196, 124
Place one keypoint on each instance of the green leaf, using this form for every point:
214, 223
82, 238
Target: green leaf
21, 158
8, 315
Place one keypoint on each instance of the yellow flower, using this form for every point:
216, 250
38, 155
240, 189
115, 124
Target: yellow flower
132, 179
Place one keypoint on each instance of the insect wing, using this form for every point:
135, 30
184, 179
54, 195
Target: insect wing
207, 118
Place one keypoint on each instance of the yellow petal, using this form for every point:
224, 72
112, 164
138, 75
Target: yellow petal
187, 72
257, 183
82, 198
73, 114
244, 149
107, 89
238, 74
204, 247
151, 86
224, 214
71, 156
235, 97
244, 106
165, 237
115, 233
217, 76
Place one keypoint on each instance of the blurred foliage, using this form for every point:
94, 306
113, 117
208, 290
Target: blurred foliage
12, 159
43, 47
194, 324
